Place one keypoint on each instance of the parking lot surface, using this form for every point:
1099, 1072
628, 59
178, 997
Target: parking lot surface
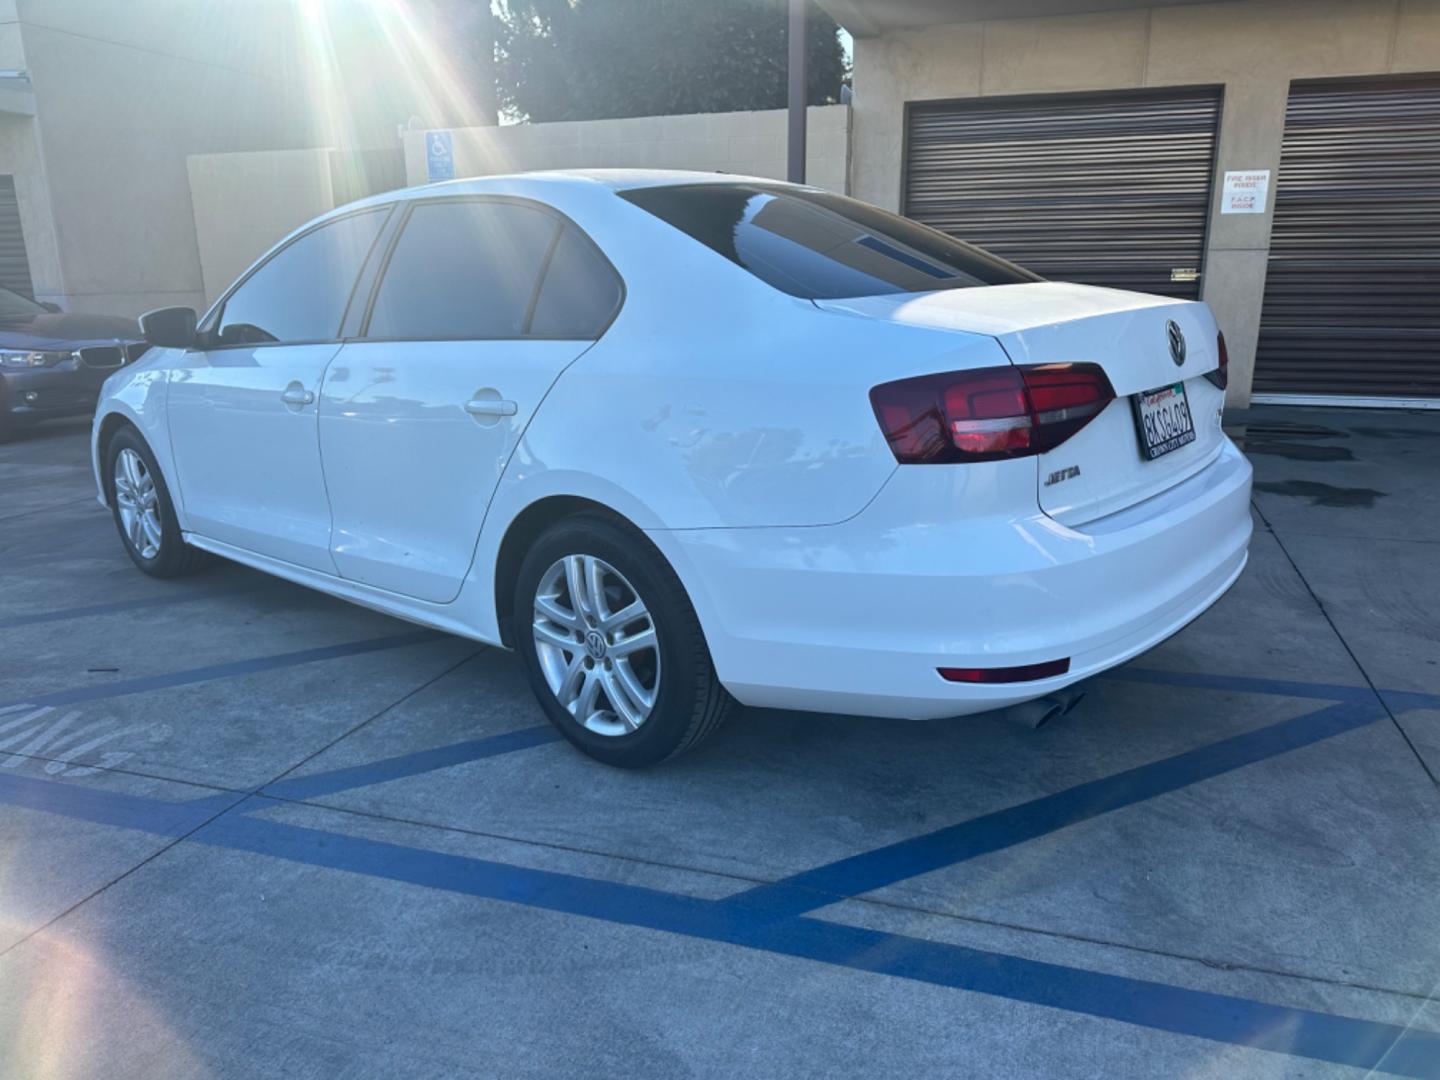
247, 830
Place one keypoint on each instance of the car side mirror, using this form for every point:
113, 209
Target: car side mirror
169, 327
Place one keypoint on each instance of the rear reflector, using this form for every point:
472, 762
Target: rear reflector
988, 413
1023, 673
1221, 375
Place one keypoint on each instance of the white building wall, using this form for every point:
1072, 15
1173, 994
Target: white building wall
748, 143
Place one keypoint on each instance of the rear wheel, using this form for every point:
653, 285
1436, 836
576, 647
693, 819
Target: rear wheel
143, 512
612, 647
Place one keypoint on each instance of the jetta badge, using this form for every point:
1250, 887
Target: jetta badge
1177, 342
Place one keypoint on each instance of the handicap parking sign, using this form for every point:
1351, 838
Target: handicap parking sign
439, 156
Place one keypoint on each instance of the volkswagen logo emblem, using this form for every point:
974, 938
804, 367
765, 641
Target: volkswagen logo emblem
1177, 342
595, 644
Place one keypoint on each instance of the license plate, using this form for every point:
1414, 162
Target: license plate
1162, 420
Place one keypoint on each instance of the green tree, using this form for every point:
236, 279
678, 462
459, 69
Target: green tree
592, 59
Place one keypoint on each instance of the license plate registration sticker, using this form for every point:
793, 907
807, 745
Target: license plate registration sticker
1162, 420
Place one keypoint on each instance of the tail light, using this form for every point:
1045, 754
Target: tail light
988, 413
1221, 375
1024, 673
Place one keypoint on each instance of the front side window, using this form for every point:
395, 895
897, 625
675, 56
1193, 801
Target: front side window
463, 270
301, 292
820, 246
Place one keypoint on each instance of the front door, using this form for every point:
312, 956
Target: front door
419, 419
243, 408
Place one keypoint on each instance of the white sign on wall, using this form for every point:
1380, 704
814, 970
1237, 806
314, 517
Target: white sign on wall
1245, 192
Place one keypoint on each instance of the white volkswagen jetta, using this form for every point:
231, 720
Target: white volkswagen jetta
684, 439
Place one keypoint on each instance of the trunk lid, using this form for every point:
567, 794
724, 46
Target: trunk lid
1100, 470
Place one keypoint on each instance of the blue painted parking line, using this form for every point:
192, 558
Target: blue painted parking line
1412, 699
1223, 1018
86, 803
299, 788
123, 687
863, 873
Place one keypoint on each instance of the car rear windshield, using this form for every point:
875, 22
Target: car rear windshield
820, 246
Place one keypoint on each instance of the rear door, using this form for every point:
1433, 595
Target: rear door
242, 410
482, 304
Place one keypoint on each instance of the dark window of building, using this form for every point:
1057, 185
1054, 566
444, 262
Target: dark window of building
580, 293
463, 270
820, 246
300, 293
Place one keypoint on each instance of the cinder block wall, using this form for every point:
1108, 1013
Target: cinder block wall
1253, 48
751, 143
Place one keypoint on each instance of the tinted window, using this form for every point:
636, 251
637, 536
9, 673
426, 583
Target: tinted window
301, 292
580, 293
463, 270
821, 246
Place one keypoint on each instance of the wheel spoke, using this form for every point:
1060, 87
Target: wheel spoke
136, 532
575, 579
549, 635
570, 685
620, 701
625, 676
589, 694
595, 587
633, 644
151, 527
547, 607
628, 614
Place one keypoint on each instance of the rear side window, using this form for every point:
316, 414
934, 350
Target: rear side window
300, 293
581, 290
820, 246
463, 270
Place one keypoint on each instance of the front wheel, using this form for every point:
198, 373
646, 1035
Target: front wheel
144, 514
612, 647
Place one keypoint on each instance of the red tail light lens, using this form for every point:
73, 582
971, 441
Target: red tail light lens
989, 413
1024, 673
1221, 375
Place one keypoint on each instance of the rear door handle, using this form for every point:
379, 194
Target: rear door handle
490, 407
295, 394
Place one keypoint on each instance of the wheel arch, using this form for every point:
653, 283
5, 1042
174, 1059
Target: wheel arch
105, 431
523, 530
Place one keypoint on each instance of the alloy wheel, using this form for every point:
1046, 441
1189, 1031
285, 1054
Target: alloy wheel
139, 503
596, 644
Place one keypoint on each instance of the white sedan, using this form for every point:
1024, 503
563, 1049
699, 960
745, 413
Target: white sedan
688, 439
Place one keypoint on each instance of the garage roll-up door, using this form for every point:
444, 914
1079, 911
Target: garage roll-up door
1352, 294
14, 263
1107, 189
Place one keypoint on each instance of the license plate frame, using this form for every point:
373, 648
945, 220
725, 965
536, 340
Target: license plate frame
1170, 424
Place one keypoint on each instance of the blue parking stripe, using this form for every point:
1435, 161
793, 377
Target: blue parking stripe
1241, 684
403, 765
103, 807
858, 874
1224, 1018
122, 687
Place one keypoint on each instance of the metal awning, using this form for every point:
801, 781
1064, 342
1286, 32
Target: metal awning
17, 96
871, 18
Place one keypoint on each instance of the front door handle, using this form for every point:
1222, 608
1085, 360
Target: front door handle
489, 407
295, 394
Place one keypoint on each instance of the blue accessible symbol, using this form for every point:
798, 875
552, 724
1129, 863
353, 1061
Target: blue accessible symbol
439, 156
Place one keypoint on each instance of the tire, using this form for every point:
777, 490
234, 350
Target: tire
687, 700
172, 557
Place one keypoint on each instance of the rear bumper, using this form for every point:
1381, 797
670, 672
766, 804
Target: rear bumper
857, 617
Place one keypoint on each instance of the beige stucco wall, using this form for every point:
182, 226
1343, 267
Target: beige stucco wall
1251, 47
245, 202
750, 143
